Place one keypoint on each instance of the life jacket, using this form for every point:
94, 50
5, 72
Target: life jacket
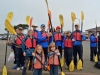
44, 34
68, 42
18, 41
37, 64
53, 60
30, 43
35, 34
57, 36
95, 39
77, 35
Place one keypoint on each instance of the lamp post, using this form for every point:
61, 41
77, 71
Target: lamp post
79, 20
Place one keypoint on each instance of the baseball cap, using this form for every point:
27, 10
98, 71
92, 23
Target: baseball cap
58, 27
34, 25
20, 28
42, 25
76, 24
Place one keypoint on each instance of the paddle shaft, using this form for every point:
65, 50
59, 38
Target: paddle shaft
72, 26
96, 30
50, 22
81, 26
6, 49
60, 63
61, 28
31, 52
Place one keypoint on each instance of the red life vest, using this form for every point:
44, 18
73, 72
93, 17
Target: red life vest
18, 41
77, 36
53, 60
30, 43
45, 34
35, 34
57, 36
68, 43
37, 64
96, 40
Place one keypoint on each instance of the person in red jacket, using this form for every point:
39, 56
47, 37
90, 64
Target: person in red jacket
39, 53
68, 48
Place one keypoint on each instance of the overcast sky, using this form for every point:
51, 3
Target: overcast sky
38, 10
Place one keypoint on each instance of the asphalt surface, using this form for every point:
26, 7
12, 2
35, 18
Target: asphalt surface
89, 68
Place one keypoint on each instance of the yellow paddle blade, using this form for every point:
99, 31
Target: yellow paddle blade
71, 66
73, 16
27, 19
96, 58
61, 20
82, 16
62, 73
4, 72
9, 27
10, 16
47, 4
79, 65
28, 63
62, 62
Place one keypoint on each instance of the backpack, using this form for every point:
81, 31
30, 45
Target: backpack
97, 65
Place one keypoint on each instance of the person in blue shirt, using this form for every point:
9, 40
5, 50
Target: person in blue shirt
77, 45
44, 40
30, 44
58, 39
93, 45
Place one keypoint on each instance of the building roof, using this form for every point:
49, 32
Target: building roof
93, 29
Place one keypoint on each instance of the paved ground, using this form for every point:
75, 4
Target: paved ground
88, 66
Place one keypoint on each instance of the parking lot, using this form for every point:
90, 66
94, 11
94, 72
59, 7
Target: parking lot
88, 66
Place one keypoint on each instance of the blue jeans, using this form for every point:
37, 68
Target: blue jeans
54, 69
37, 72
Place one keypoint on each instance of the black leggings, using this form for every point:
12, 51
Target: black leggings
78, 50
93, 51
45, 53
60, 50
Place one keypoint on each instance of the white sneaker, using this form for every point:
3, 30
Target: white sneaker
82, 68
18, 68
22, 68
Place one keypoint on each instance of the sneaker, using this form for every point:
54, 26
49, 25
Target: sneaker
15, 67
82, 68
18, 68
66, 67
22, 68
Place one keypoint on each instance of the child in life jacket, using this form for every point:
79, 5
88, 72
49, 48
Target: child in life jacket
68, 48
53, 58
30, 45
37, 65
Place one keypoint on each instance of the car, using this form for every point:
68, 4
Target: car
0, 37
4, 38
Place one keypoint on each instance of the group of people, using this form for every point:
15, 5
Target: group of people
45, 48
